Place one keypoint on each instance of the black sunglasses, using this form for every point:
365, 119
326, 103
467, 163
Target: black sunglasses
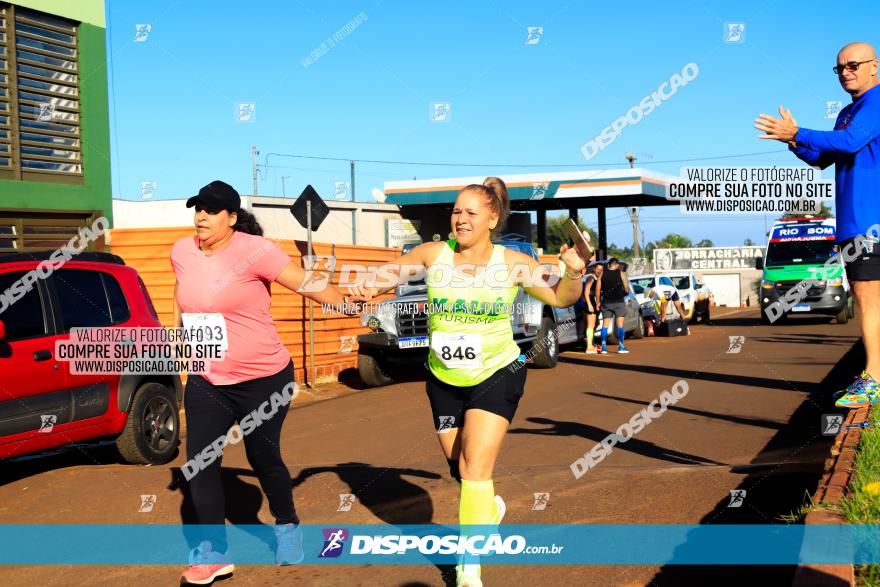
850, 66
211, 211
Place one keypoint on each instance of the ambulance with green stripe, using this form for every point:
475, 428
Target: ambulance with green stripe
803, 272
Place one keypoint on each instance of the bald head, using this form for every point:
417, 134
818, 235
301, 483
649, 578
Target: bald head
857, 63
856, 52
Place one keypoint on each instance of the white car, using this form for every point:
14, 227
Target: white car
694, 294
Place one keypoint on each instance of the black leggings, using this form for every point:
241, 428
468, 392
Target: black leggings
210, 411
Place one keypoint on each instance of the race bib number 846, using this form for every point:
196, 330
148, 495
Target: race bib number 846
458, 351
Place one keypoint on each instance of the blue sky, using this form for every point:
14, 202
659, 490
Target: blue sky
174, 95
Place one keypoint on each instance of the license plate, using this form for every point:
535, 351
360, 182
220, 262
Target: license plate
413, 342
801, 308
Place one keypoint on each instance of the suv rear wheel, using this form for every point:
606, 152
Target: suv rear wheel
706, 316
546, 345
152, 431
639, 332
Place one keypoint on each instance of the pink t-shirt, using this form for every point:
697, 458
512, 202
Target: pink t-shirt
234, 281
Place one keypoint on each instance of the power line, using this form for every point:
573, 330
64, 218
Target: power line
702, 220
518, 165
336, 171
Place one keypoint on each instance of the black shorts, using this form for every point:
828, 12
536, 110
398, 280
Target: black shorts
499, 394
865, 264
594, 303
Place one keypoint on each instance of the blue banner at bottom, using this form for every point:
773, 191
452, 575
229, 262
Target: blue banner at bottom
614, 544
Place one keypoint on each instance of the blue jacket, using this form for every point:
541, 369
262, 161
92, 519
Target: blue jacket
854, 147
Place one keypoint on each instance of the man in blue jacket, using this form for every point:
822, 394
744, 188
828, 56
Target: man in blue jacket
854, 149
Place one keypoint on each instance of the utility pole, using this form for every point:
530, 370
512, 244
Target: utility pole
312, 372
254, 153
635, 213
283, 190
354, 212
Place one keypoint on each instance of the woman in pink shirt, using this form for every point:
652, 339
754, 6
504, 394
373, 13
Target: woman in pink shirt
223, 276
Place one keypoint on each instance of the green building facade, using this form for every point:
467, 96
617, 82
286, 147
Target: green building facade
54, 121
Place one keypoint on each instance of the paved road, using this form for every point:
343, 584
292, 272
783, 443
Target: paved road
750, 420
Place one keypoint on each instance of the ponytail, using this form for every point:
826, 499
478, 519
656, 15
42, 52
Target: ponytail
247, 223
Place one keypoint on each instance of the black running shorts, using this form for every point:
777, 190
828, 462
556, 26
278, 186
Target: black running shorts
499, 394
865, 263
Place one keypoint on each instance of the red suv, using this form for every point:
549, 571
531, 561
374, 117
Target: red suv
42, 404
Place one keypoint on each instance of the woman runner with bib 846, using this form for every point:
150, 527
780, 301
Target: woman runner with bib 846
475, 375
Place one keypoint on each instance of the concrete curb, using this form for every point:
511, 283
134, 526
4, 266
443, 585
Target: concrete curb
839, 469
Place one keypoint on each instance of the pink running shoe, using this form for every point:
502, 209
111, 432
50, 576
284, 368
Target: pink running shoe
205, 566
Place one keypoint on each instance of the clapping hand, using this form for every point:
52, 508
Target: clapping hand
781, 129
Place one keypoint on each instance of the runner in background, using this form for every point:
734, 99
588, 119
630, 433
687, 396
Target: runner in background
599, 270
223, 276
590, 300
614, 286
585, 308
475, 375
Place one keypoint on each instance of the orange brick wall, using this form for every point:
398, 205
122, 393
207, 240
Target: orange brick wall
148, 250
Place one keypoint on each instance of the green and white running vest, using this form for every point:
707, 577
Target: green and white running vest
471, 337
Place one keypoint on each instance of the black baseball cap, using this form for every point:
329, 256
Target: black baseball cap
613, 260
217, 195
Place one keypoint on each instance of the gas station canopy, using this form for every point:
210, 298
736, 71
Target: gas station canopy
564, 190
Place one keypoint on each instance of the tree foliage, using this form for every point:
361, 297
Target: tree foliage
556, 235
